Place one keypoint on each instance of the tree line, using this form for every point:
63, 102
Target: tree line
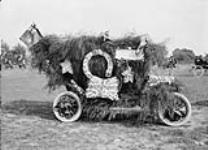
181, 56
16, 56
13, 57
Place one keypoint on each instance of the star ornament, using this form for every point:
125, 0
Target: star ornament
66, 67
128, 75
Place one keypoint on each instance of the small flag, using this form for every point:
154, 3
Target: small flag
27, 38
31, 36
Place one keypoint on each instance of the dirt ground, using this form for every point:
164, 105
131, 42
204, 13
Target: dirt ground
27, 121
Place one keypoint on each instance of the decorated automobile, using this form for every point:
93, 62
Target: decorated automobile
108, 79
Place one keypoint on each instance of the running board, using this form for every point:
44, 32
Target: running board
126, 109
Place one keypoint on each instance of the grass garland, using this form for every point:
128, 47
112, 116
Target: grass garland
50, 51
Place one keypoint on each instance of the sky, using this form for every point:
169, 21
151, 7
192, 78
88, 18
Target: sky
179, 23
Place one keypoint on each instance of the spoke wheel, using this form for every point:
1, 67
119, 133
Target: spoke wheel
198, 71
178, 113
67, 107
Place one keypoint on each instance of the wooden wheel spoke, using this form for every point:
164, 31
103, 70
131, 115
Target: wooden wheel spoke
177, 112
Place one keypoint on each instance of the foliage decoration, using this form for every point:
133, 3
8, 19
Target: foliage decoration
51, 51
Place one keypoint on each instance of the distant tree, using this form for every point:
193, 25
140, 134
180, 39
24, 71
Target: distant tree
19, 55
206, 57
160, 54
19, 49
4, 47
184, 56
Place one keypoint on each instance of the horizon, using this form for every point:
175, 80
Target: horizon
177, 23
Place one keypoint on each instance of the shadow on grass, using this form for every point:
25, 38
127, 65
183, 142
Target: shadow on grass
44, 110
201, 103
29, 107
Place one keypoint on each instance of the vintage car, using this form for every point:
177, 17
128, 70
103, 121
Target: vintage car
69, 105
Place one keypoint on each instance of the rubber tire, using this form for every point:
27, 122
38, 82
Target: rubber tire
76, 116
169, 123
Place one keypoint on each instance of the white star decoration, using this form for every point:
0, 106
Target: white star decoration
67, 67
128, 75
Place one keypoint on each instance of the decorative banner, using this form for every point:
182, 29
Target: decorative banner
103, 88
66, 67
96, 52
154, 80
128, 54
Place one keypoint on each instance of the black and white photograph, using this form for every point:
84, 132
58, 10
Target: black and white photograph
104, 74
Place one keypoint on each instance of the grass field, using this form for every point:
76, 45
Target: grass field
27, 121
